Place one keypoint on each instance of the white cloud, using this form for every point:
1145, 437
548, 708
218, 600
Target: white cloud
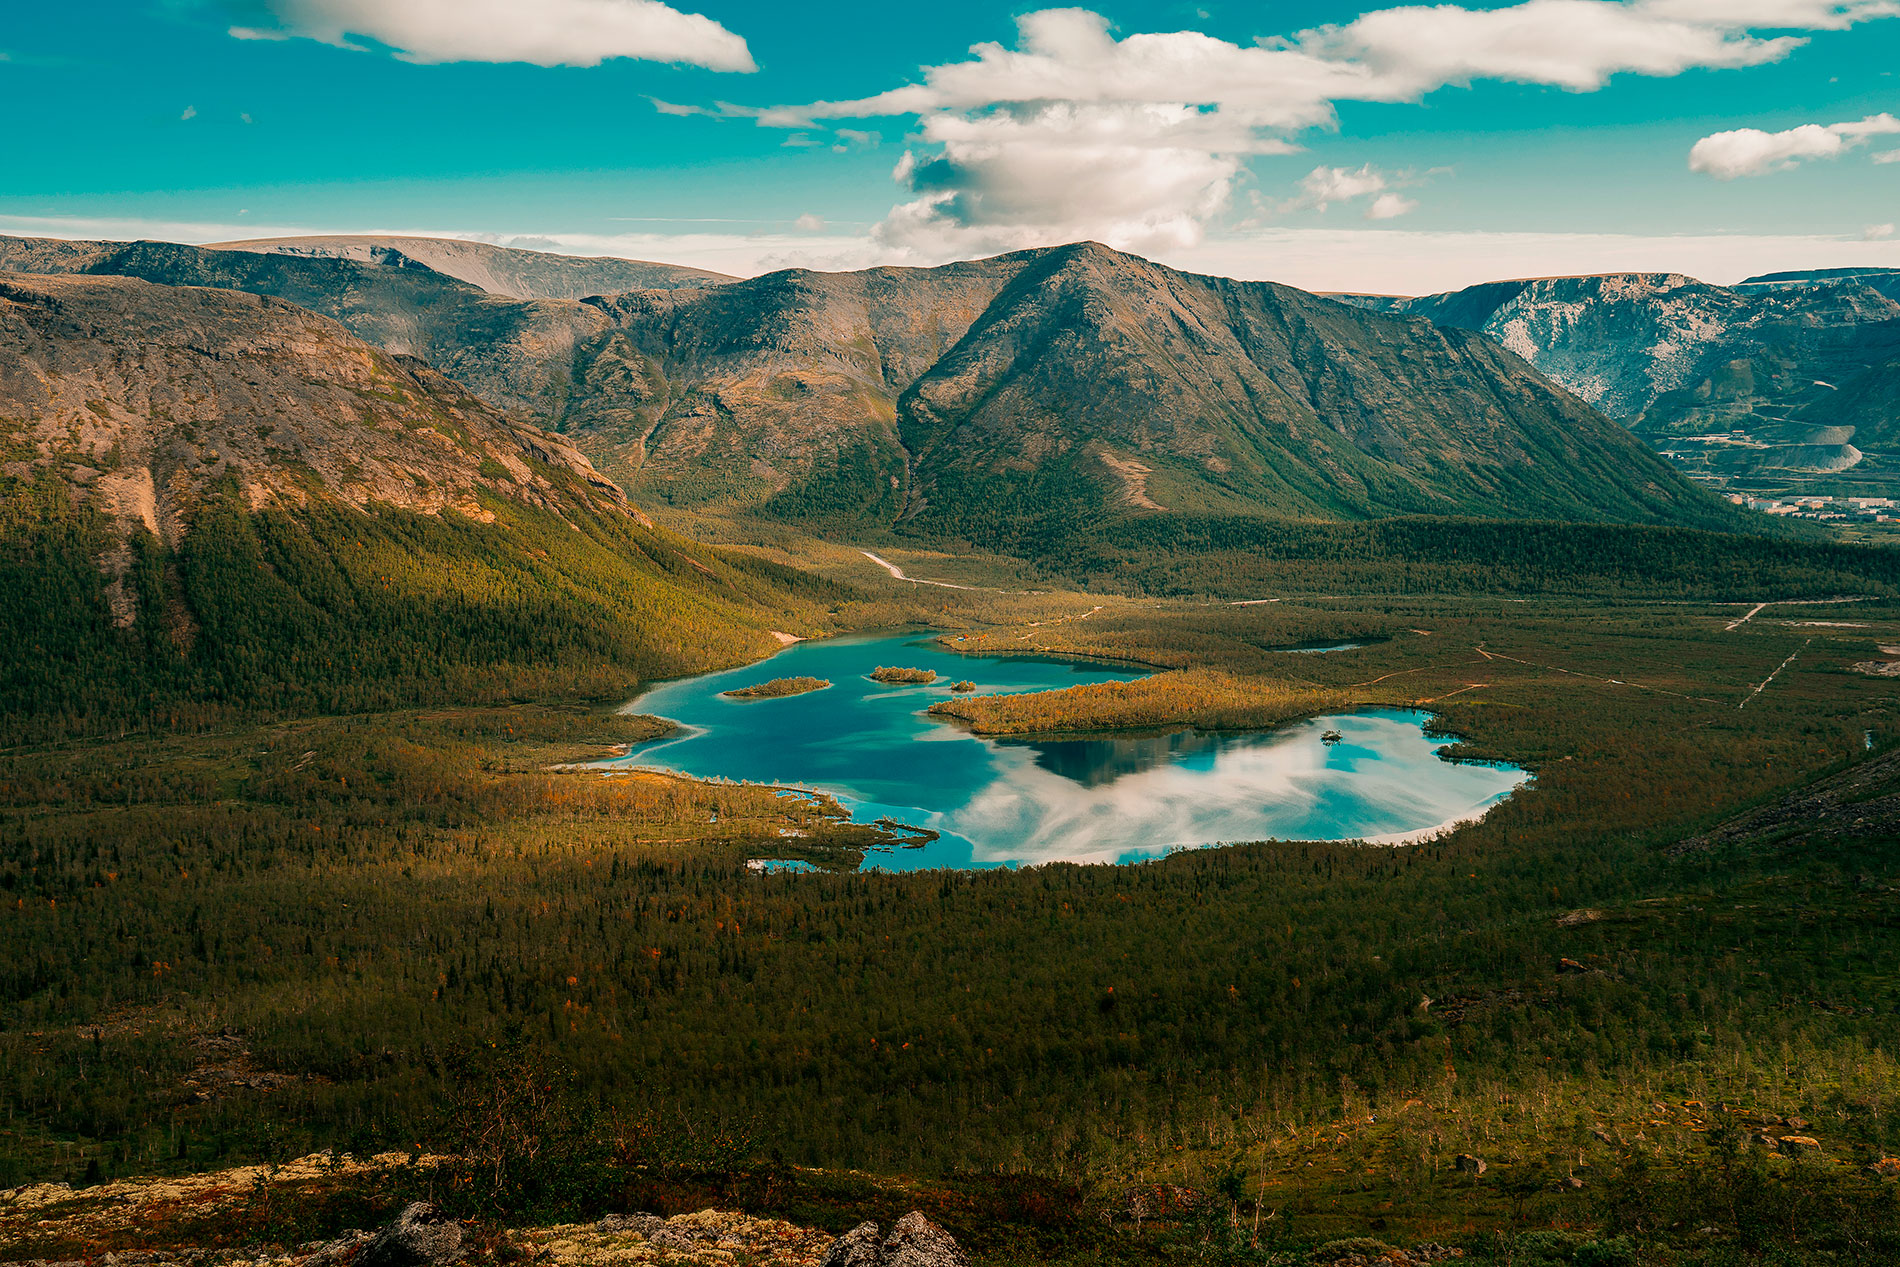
1888, 156
543, 32
1390, 207
191, 112
809, 223
1016, 138
1876, 232
1324, 186
1574, 44
1753, 152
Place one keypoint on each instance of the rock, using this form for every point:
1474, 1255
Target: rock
1887, 1167
914, 1242
333, 1253
1570, 965
1800, 1143
421, 1235
917, 1242
1572, 919
1470, 1165
860, 1247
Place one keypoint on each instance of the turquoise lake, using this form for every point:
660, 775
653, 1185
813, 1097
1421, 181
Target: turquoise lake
1014, 802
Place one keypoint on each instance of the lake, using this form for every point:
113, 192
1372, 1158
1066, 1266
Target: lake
1018, 802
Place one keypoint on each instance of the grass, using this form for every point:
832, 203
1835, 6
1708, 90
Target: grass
1207, 699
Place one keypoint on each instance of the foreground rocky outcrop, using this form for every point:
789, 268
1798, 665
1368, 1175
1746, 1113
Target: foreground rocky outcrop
914, 1242
163, 1222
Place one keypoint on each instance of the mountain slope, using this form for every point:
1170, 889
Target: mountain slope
1080, 381
1099, 382
515, 354
499, 270
784, 386
1869, 405
146, 395
1043, 384
1670, 355
213, 500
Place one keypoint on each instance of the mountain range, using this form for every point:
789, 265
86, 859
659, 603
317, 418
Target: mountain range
1794, 362
214, 500
983, 400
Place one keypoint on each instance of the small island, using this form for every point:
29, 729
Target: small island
903, 677
963, 687
778, 688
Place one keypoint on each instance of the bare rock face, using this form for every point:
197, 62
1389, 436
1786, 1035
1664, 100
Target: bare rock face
141, 396
914, 1242
917, 1242
862, 1246
421, 1236
499, 270
1672, 355
1055, 385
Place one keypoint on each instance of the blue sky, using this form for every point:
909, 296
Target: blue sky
1331, 146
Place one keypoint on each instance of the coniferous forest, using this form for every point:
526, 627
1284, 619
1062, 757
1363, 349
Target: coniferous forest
296, 856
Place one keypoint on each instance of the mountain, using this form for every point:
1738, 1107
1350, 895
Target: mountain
515, 354
1884, 280
1868, 406
213, 500
145, 395
1669, 355
1056, 385
1081, 382
499, 270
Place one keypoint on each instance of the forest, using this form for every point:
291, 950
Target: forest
278, 871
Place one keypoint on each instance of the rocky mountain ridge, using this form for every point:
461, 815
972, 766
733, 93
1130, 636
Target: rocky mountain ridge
1069, 384
499, 270
1781, 354
142, 395
1080, 381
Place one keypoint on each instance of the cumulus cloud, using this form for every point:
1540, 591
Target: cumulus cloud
1753, 152
1888, 156
809, 223
1140, 140
1390, 207
1324, 186
543, 32
1876, 233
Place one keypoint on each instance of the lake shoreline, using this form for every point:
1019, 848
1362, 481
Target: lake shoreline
1234, 758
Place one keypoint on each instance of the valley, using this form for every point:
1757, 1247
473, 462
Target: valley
367, 748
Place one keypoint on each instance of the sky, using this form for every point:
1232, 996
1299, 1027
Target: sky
1331, 146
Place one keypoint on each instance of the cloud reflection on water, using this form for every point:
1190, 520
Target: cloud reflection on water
1385, 779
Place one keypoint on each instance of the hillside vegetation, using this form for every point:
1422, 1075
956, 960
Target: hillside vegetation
994, 400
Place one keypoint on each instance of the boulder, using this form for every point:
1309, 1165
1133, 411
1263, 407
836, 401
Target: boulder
914, 1242
917, 1242
1800, 1143
1469, 1164
1887, 1167
860, 1247
418, 1237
